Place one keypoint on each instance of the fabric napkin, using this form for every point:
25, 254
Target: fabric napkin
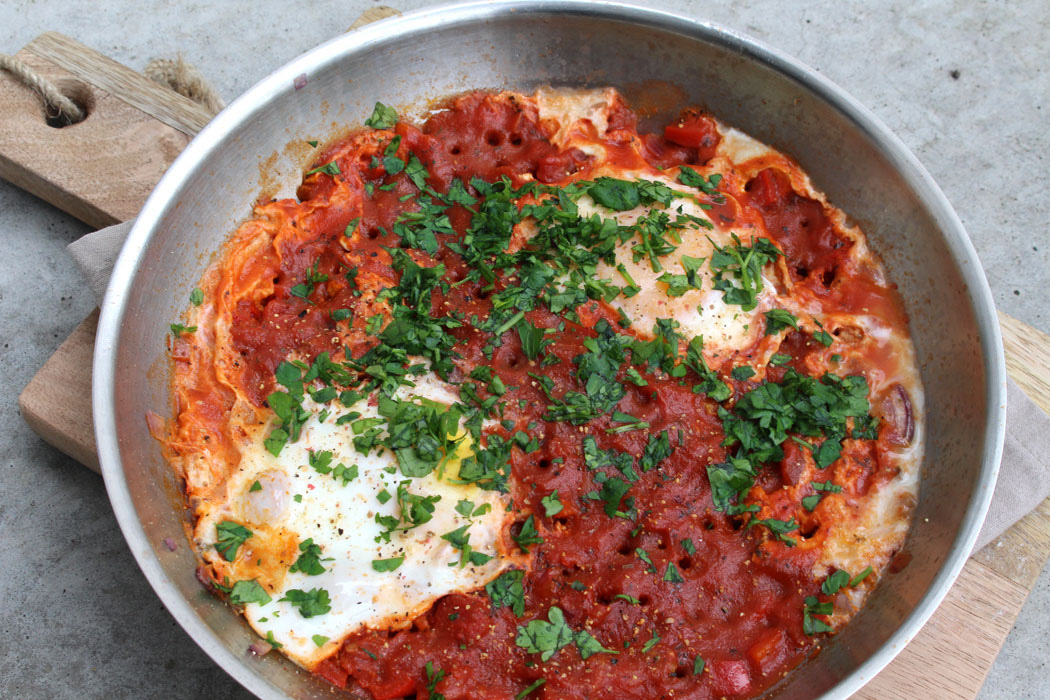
1024, 477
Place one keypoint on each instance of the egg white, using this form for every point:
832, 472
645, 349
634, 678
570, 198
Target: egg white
725, 327
292, 496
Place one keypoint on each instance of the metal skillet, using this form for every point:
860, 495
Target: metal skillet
523, 44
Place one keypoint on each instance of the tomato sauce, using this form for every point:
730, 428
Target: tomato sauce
739, 603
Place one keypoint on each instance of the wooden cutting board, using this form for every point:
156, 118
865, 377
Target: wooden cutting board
101, 172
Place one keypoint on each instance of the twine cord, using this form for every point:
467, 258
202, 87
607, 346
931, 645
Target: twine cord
178, 75
185, 79
56, 104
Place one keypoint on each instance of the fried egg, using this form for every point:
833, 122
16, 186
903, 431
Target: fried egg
701, 311
286, 501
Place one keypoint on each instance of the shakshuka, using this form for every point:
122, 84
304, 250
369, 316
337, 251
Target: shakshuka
518, 402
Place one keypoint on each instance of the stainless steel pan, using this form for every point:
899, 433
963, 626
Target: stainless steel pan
406, 61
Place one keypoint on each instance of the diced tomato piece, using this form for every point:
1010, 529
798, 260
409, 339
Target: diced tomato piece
731, 677
693, 132
768, 652
333, 673
766, 189
397, 687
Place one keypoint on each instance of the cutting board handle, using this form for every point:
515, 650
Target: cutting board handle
99, 170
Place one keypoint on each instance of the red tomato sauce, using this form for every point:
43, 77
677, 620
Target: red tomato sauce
739, 604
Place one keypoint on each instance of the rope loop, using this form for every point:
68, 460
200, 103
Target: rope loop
56, 105
178, 75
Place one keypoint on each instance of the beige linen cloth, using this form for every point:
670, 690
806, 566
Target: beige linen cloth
1024, 478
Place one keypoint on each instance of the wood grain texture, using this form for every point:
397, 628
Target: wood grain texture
105, 74
57, 401
373, 14
1027, 358
99, 170
951, 656
948, 659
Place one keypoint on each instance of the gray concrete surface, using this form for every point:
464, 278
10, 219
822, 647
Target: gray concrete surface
964, 84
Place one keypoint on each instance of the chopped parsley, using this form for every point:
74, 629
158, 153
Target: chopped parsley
779, 528
812, 625
657, 449
738, 270
834, 582
672, 575
528, 535
390, 564
506, 591
383, 117
779, 319
434, 676
536, 684
551, 505
309, 561
310, 603
244, 592
548, 637
460, 539
331, 168
856, 580
229, 537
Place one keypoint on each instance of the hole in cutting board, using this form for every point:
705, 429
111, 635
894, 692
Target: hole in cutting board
80, 94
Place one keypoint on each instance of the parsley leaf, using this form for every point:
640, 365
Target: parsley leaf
309, 562
855, 581
644, 556
657, 449
612, 492
433, 678
390, 564
811, 625
506, 592
545, 638
331, 168
531, 339
744, 265
672, 575
837, 580
229, 537
588, 646
538, 683
383, 117
244, 592
779, 528
743, 373
779, 319
551, 505
529, 535
197, 296
310, 603
619, 195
